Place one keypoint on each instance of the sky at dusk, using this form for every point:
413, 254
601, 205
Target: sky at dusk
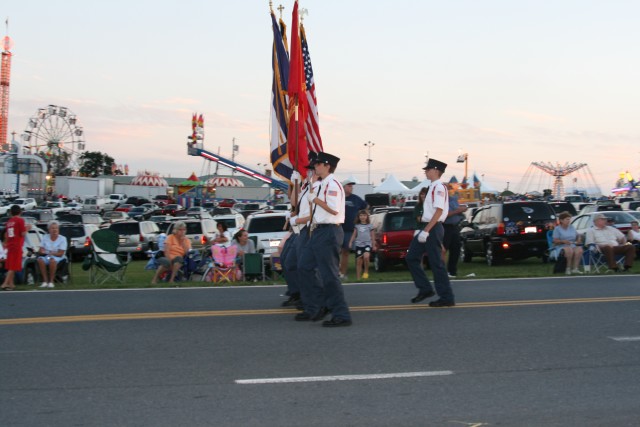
508, 82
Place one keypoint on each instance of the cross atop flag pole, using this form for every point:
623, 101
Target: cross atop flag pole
298, 109
279, 102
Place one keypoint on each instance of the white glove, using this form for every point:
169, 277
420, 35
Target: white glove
293, 220
295, 176
422, 236
415, 233
311, 197
287, 214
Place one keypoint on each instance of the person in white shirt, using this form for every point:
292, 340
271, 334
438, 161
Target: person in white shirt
322, 251
51, 253
428, 240
610, 241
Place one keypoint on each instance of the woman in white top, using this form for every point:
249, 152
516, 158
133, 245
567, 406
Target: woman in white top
223, 237
51, 253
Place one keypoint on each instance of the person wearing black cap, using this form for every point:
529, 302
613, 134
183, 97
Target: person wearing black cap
429, 240
323, 248
300, 220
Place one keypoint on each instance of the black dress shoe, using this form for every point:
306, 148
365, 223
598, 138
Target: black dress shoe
320, 314
292, 301
335, 322
422, 296
302, 317
441, 303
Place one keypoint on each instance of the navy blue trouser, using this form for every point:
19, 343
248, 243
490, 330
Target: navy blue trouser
433, 249
323, 252
289, 262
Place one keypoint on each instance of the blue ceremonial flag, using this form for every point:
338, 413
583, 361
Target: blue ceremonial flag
279, 102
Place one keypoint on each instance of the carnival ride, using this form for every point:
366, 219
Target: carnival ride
54, 134
5, 80
583, 180
195, 147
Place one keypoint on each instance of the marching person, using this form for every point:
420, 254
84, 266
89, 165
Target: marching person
322, 251
429, 240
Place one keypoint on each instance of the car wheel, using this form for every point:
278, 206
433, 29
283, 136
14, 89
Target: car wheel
378, 263
490, 255
465, 254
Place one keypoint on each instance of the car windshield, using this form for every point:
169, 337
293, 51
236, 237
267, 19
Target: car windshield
619, 217
400, 221
71, 231
138, 209
527, 212
269, 224
125, 227
229, 222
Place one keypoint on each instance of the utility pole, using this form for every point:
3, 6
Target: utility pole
369, 144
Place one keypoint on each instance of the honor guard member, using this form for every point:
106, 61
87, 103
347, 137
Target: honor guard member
429, 240
301, 223
323, 249
287, 259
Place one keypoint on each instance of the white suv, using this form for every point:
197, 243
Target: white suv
268, 230
25, 203
234, 222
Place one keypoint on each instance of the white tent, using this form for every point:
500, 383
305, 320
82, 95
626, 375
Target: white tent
392, 185
486, 188
425, 183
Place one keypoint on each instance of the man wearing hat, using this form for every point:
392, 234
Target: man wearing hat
322, 251
610, 242
429, 240
352, 205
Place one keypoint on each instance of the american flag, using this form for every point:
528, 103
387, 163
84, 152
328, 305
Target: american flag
312, 125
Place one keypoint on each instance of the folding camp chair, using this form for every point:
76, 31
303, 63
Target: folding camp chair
224, 263
594, 261
253, 265
104, 262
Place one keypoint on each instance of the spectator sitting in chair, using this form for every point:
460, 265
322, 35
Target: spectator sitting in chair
223, 236
176, 248
51, 253
633, 235
610, 241
244, 244
566, 238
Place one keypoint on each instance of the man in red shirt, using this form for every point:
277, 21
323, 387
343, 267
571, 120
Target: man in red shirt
16, 229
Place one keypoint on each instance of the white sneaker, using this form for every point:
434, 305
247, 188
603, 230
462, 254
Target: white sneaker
576, 271
451, 276
568, 272
51, 285
44, 285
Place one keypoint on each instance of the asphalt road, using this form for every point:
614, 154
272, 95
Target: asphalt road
561, 351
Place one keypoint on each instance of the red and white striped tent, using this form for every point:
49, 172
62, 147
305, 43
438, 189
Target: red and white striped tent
224, 182
149, 180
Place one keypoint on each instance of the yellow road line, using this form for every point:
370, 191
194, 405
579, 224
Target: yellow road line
228, 313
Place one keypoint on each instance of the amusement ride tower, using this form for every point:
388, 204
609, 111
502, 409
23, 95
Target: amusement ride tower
5, 78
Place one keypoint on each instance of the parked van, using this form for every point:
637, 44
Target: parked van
94, 205
114, 200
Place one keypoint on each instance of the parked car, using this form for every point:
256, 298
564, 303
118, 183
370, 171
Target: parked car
227, 203
78, 239
161, 200
393, 232
5, 206
113, 216
140, 213
200, 231
409, 204
249, 208
209, 204
114, 200
41, 217
222, 211
8, 195
137, 200
55, 207
125, 207
197, 210
618, 219
78, 218
234, 222
74, 206
559, 207
136, 237
94, 205
514, 230
600, 206
630, 205
26, 204
173, 209
267, 229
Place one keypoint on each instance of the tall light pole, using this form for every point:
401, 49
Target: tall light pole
369, 144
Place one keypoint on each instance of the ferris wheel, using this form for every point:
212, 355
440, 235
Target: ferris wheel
54, 134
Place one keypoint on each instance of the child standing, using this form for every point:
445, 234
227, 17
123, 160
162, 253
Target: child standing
365, 243
14, 239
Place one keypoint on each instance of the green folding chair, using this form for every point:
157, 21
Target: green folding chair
104, 261
253, 265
